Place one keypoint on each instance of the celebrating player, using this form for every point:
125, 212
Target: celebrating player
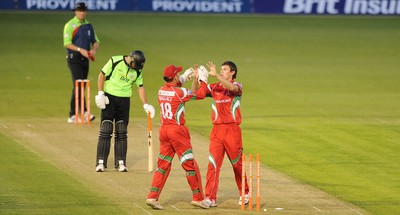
226, 134
174, 136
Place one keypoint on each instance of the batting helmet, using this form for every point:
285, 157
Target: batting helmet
138, 59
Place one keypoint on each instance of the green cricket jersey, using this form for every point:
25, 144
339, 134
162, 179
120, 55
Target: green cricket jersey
120, 77
79, 33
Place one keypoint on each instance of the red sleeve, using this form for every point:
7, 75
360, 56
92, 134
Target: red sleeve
239, 85
202, 91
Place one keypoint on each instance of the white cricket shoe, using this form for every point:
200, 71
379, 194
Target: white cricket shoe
211, 203
203, 204
92, 117
72, 118
122, 168
246, 199
100, 168
154, 204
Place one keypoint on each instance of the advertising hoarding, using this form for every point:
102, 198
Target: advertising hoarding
320, 7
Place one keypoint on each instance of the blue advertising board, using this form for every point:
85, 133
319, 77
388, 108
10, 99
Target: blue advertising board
323, 7
106, 5
202, 6
198, 6
331, 7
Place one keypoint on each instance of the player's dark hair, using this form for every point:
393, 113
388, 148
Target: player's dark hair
232, 66
166, 79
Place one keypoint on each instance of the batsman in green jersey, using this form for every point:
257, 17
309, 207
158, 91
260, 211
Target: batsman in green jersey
115, 83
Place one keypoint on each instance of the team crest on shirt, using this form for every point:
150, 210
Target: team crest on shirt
131, 76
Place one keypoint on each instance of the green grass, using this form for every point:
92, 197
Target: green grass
321, 94
30, 185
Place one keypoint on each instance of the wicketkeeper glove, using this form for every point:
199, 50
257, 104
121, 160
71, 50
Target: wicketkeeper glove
203, 74
101, 100
149, 109
187, 75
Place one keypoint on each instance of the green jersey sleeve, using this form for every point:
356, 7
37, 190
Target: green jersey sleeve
107, 68
139, 80
68, 31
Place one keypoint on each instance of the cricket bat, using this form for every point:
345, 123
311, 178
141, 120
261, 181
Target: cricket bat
150, 143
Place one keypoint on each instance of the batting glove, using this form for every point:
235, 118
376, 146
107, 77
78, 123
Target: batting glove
149, 109
203, 78
187, 75
101, 100
203, 74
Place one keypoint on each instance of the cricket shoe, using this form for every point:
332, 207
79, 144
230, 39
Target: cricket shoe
72, 119
202, 204
211, 203
100, 168
92, 117
154, 204
246, 199
122, 168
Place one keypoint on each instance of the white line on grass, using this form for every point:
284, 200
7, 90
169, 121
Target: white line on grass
142, 208
314, 207
174, 207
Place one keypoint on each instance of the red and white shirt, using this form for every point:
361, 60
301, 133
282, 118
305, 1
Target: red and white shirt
172, 100
226, 104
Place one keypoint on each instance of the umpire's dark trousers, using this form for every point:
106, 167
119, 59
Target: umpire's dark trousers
79, 67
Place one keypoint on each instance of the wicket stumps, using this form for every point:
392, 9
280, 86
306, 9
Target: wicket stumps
251, 181
80, 95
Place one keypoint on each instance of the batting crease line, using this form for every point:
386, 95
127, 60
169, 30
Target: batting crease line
175, 207
142, 209
314, 207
